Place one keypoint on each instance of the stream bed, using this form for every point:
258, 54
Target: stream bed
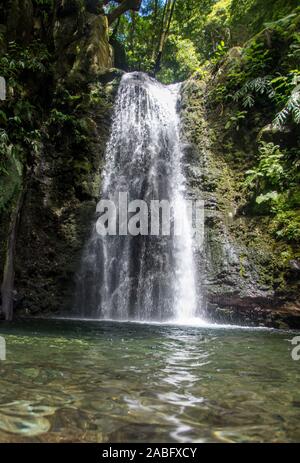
93, 381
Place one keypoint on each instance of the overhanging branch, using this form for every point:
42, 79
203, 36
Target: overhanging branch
124, 5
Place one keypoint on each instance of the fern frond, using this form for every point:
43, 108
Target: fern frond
292, 108
259, 85
248, 101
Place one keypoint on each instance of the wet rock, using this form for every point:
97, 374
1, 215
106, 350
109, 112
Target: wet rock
240, 273
62, 192
19, 21
295, 265
89, 54
274, 133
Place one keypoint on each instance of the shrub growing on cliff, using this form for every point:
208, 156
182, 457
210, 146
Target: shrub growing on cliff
274, 182
269, 173
20, 115
292, 104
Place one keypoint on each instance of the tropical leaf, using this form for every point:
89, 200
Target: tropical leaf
270, 196
259, 85
292, 108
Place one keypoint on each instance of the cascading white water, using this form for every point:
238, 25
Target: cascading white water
142, 277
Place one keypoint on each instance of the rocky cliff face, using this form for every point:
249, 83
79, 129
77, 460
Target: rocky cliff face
244, 277
60, 202
63, 177
81, 44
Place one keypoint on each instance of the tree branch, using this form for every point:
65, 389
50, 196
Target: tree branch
166, 23
124, 5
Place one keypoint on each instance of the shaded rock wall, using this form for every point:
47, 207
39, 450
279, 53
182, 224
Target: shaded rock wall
81, 45
59, 206
242, 277
63, 177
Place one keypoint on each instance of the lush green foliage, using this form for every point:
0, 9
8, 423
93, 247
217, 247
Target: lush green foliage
259, 85
274, 182
20, 114
200, 30
140, 34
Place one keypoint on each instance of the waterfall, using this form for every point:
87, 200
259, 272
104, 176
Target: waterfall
142, 277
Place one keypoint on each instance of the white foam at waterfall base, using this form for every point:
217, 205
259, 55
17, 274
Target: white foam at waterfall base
196, 322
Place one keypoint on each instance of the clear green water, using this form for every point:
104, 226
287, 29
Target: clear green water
124, 382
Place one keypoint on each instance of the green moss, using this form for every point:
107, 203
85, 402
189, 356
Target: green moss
230, 152
242, 267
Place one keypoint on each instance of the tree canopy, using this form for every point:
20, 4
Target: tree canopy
173, 38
